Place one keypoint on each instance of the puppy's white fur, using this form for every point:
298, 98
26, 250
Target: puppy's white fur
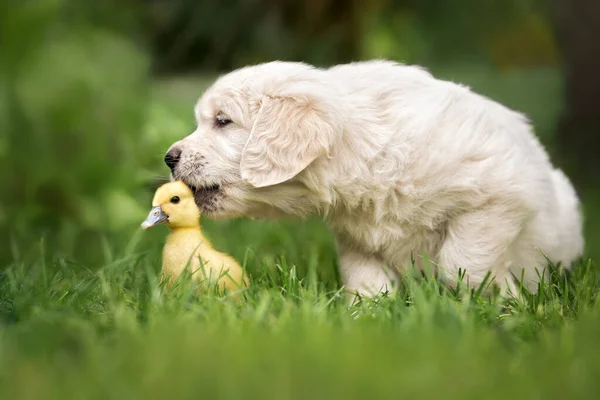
400, 164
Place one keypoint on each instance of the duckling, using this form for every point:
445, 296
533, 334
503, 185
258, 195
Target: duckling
174, 205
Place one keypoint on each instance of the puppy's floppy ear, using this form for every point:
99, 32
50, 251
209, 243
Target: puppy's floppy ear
291, 130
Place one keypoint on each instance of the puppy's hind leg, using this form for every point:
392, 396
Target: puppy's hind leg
481, 242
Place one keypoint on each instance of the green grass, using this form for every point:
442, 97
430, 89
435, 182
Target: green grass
72, 331
116, 333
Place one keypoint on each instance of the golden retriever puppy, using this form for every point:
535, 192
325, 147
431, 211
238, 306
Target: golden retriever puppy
399, 163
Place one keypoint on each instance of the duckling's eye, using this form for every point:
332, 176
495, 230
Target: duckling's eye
175, 199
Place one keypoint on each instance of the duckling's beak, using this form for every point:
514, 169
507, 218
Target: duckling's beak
156, 217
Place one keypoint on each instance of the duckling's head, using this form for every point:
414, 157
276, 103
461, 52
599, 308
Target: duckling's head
174, 205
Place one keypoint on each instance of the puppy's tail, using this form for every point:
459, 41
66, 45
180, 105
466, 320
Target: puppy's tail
570, 218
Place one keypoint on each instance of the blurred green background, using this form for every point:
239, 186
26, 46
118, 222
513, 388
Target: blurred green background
93, 93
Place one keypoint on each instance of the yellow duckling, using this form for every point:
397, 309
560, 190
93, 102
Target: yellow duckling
174, 206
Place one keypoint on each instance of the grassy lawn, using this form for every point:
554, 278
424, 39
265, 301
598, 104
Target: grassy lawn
69, 332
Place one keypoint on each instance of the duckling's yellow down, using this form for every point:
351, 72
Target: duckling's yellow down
186, 245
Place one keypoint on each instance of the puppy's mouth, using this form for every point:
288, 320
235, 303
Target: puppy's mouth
205, 189
207, 197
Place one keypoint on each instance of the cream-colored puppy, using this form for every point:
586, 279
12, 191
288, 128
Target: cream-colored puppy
399, 163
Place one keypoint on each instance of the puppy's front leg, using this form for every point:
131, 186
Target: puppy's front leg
364, 275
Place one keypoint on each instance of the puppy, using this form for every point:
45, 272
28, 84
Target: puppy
399, 163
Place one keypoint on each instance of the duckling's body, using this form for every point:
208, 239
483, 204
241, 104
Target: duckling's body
186, 245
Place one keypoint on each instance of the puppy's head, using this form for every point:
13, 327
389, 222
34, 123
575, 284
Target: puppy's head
259, 129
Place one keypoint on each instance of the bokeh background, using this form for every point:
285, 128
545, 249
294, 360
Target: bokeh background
93, 93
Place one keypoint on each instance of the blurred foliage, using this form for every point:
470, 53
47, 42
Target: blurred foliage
73, 94
224, 34
508, 50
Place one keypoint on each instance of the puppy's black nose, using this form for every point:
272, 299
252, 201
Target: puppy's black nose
172, 158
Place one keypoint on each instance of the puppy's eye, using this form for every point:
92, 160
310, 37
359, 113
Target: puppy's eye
222, 120
175, 199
